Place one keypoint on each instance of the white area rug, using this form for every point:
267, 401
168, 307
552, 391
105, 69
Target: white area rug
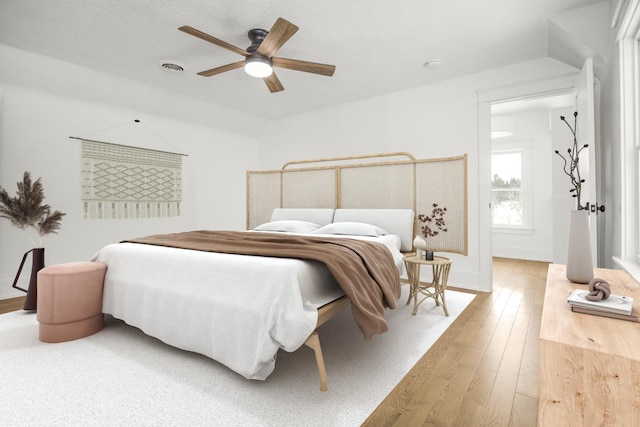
120, 376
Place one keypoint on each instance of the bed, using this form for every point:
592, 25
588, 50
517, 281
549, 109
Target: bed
241, 309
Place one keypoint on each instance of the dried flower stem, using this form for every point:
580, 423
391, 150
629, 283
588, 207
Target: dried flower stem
570, 167
434, 223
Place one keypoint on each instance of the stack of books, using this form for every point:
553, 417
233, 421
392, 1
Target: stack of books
616, 306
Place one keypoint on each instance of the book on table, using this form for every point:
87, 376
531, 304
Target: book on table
633, 317
614, 304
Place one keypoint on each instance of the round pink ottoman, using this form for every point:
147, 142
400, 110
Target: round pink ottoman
70, 300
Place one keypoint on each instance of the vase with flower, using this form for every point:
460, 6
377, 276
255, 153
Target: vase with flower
27, 212
430, 225
579, 260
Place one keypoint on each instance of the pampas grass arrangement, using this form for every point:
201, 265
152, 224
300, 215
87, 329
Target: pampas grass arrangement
26, 210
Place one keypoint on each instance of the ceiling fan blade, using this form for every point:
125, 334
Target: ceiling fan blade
221, 69
273, 83
307, 67
206, 37
281, 31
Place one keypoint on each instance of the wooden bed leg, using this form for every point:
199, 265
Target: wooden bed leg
314, 343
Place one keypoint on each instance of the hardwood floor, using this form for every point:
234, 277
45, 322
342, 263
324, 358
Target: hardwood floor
12, 304
483, 371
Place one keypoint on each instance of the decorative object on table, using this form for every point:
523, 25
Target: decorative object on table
579, 261
633, 317
599, 290
599, 301
583, 301
27, 212
571, 164
431, 225
420, 244
579, 257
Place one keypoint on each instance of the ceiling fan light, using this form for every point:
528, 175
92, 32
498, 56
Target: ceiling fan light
258, 67
501, 127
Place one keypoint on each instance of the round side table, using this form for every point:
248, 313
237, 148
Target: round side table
440, 274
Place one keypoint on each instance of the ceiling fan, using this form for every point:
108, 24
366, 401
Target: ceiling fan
259, 60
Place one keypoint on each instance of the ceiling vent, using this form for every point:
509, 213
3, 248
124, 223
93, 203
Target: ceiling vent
171, 66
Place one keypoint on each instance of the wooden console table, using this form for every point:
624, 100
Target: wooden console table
589, 365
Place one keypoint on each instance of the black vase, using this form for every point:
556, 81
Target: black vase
37, 264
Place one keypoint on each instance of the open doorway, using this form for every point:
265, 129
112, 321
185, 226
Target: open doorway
525, 194
521, 98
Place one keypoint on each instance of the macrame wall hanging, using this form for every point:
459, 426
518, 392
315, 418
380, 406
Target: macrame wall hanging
122, 181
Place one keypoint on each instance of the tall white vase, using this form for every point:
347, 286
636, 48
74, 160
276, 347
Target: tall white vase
579, 261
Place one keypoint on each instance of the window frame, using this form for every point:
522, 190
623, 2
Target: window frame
524, 148
628, 47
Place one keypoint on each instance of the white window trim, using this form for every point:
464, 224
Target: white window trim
523, 146
628, 40
505, 229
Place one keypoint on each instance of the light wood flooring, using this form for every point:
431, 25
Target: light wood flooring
483, 371
13, 304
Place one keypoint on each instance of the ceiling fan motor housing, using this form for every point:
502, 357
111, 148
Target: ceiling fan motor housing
256, 36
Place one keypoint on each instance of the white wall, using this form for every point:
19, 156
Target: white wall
36, 121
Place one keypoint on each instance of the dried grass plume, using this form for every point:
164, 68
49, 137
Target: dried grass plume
26, 210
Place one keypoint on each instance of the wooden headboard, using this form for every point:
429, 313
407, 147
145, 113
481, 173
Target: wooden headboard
377, 181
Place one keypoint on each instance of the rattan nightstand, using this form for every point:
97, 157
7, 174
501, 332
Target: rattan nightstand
440, 274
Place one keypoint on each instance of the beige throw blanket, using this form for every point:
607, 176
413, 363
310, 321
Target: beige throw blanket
365, 270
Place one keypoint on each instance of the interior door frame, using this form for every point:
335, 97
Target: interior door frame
586, 98
534, 89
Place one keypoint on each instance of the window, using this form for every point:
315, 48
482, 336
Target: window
507, 204
510, 186
628, 45
631, 71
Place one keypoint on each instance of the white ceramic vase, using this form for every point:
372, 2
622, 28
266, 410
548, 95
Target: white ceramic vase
420, 244
579, 261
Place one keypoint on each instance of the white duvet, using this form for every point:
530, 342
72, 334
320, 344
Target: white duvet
236, 309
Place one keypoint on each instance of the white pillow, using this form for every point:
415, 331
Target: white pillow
351, 228
290, 225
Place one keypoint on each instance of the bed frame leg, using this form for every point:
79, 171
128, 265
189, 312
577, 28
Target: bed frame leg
314, 343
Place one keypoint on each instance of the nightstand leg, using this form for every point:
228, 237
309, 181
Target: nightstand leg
444, 305
413, 274
443, 278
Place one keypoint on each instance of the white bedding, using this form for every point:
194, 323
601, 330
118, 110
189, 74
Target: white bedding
236, 309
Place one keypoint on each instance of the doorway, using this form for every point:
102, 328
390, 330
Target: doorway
528, 198
511, 98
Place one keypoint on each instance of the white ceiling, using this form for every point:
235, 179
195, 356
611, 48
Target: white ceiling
377, 47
